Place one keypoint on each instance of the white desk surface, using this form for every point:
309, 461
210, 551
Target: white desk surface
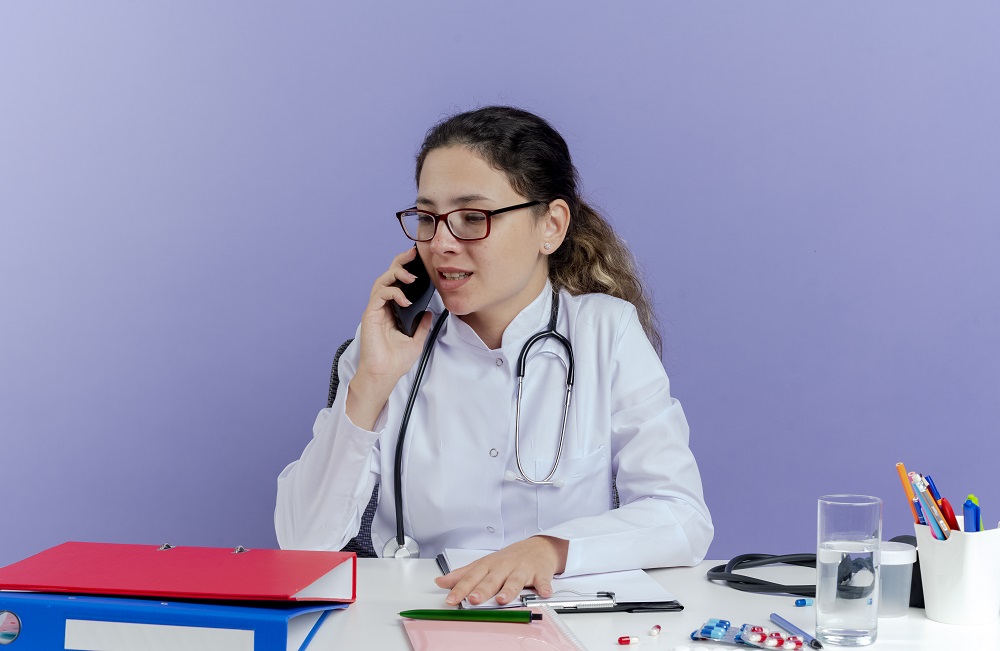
387, 586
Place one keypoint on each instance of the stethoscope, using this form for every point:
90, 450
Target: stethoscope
403, 546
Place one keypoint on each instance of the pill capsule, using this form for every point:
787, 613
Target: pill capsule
792, 643
752, 633
655, 630
804, 602
626, 640
774, 640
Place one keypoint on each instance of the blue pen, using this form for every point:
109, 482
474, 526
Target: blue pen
971, 516
795, 630
920, 510
934, 491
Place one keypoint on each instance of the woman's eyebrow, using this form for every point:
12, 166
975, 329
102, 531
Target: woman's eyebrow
458, 201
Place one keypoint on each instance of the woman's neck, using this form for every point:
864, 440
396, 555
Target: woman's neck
491, 324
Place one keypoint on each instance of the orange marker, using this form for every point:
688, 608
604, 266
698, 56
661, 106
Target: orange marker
903, 477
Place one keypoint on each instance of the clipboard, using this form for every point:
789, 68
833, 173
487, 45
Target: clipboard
567, 599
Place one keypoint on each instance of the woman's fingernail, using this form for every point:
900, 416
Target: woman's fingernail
451, 600
474, 596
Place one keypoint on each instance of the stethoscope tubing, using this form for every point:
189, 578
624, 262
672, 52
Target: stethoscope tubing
401, 542
521, 366
398, 468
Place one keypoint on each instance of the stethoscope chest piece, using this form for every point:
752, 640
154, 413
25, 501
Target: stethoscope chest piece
409, 549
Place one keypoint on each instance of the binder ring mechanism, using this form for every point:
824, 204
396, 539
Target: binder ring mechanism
239, 549
581, 600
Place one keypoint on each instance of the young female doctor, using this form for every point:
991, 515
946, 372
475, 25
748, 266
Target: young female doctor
509, 245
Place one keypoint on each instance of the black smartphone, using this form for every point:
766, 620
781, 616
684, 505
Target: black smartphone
419, 292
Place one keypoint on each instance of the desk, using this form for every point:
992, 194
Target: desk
387, 586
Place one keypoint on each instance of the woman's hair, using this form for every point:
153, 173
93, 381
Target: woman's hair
536, 161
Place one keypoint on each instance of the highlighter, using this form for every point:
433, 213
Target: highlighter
975, 500
972, 516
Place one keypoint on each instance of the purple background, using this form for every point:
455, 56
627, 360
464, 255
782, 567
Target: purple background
195, 198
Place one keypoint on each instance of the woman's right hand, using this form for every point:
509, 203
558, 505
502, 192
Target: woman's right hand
386, 353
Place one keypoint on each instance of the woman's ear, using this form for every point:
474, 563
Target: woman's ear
554, 226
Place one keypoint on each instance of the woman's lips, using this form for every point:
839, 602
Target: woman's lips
451, 279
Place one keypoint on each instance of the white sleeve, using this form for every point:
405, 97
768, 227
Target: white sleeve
662, 520
323, 494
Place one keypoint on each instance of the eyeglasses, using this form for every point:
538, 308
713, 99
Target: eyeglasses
464, 224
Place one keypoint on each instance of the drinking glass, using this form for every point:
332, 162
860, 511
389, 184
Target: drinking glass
849, 534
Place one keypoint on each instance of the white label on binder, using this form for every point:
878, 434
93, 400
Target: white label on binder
120, 636
336, 583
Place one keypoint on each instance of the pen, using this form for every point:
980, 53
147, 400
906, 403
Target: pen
925, 498
935, 493
972, 516
903, 477
920, 511
792, 628
932, 512
476, 615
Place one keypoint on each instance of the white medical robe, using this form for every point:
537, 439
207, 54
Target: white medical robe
623, 425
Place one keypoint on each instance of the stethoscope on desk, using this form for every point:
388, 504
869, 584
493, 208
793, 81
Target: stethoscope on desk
403, 546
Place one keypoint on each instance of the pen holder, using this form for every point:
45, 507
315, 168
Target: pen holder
960, 575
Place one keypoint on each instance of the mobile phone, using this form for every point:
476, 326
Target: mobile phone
419, 292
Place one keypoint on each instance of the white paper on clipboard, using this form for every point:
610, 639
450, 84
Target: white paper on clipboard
629, 586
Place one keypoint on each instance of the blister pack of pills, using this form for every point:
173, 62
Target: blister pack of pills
751, 635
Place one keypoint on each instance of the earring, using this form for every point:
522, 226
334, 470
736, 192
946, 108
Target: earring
547, 246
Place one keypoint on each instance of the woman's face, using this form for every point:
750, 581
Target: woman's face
484, 282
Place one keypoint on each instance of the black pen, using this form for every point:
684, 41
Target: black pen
792, 628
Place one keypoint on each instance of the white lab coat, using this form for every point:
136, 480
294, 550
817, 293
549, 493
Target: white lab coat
459, 444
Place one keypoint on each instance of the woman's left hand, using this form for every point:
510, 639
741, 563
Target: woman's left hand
529, 563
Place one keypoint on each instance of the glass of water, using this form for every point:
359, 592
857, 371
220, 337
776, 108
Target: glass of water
849, 533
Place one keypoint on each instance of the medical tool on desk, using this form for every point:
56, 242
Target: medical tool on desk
403, 546
750, 635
